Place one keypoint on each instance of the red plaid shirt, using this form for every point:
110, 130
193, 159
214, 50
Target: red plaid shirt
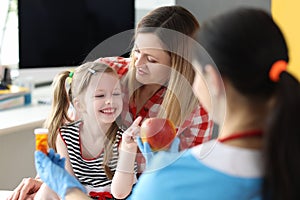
195, 130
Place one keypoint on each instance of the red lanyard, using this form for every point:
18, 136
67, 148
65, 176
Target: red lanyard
252, 133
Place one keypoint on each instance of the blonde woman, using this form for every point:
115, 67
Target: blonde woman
157, 78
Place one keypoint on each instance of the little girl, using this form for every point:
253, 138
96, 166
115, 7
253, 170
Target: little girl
91, 142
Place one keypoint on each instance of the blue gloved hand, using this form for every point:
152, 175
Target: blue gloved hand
148, 153
175, 145
51, 170
145, 149
55, 157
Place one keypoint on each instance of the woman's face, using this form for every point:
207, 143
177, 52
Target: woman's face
152, 62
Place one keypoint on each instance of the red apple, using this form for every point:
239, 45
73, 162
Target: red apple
158, 132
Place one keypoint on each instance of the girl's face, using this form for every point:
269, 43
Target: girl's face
104, 98
152, 63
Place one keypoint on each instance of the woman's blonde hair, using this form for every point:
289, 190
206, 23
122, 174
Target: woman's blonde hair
173, 25
63, 98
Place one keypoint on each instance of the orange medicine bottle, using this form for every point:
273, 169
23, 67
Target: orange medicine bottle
41, 139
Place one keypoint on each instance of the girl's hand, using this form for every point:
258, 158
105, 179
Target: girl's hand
129, 136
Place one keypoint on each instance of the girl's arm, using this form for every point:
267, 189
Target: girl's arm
62, 150
124, 177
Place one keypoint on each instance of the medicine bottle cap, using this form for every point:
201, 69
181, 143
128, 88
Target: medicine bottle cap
40, 131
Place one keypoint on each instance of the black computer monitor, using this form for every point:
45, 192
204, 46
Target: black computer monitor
55, 33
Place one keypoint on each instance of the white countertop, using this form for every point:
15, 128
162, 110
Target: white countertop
4, 194
17, 119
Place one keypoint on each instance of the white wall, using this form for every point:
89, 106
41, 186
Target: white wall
205, 9
142, 7
16, 155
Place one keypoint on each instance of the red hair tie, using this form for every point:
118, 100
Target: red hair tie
277, 68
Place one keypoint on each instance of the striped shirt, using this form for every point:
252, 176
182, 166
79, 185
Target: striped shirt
89, 172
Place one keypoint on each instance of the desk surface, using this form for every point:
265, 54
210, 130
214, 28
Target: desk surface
4, 194
17, 119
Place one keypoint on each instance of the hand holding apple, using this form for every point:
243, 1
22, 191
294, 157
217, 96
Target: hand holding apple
158, 132
148, 153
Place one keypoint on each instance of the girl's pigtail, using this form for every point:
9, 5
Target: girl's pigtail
60, 105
